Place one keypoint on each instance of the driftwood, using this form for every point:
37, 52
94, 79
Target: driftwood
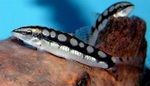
26, 66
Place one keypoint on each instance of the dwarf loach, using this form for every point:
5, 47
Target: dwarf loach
64, 45
90, 35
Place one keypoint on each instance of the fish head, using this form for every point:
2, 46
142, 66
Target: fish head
123, 9
30, 35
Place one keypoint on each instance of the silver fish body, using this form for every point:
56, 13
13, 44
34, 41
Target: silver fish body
64, 45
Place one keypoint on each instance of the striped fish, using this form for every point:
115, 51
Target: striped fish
91, 34
64, 45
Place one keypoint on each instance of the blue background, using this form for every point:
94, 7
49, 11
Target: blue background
64, 15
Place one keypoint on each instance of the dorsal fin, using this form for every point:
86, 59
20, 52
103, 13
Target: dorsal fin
83, 33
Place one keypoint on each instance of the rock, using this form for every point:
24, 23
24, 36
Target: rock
22, 65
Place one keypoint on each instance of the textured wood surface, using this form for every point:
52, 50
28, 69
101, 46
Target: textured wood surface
26, 66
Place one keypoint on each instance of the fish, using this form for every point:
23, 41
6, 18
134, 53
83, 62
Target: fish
64, 45
90, 34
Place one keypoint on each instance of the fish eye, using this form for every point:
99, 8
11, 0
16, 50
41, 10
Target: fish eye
28, 32
122, 6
